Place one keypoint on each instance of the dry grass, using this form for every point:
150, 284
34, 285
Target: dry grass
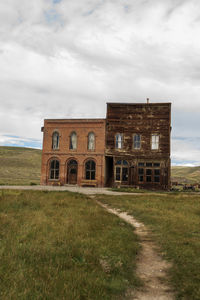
19, 166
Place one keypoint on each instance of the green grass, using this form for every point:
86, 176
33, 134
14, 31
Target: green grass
19, 166
61, 245
175, 224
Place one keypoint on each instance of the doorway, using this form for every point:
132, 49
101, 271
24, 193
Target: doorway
108, 171
72, 170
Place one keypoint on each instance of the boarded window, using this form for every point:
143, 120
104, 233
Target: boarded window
91, 141
155, 142
137, 141
90, 170
55, 140
73, 141
119, 141
54, 169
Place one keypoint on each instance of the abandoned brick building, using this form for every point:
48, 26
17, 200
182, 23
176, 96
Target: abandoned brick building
131, 147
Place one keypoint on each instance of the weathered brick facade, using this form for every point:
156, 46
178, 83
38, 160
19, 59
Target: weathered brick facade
131, 147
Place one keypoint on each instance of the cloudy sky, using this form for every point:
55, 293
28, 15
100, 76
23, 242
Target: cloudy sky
66, 59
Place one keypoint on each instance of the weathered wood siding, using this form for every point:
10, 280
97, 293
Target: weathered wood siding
144, 119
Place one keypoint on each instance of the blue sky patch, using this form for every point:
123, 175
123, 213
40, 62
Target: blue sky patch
56, 1
52, 16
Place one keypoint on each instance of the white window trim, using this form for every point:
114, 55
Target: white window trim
155, 145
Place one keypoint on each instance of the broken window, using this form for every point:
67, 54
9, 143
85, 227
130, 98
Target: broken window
155, 142
119, 141
54, 169
91, 141
137, 141
90, 170
121, 170
55, 140
73, 141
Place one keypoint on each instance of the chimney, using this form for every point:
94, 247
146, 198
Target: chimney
147, 100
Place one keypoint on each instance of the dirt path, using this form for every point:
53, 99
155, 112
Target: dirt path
70, 188
151, 268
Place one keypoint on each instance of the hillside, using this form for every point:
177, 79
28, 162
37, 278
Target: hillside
22, 166
19, 166
186, 174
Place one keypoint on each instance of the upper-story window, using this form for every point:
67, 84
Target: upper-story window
119, 141
136, 141
55, 140
73, 141
155, 141
91, 141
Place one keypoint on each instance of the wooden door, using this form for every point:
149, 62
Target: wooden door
72, 172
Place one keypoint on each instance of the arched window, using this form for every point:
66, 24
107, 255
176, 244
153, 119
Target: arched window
54, 169
121, 170
90, 170
73, 141
91, 141
119, 141
55, 140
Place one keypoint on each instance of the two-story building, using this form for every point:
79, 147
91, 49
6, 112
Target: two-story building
73, 152
138, 145
131, 147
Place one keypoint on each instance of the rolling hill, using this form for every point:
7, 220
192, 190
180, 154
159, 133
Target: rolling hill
21, 166
185, 174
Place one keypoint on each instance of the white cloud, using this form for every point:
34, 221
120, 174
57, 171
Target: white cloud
67, 59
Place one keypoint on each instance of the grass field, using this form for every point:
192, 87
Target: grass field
185, 174
175, 224
19, 166
59, 245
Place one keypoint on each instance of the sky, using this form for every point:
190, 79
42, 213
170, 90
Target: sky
66, 59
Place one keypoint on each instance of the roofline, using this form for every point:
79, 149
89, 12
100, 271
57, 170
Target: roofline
130, 103
76, 120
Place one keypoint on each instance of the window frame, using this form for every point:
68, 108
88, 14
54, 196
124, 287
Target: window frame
90, 170
117, 142
135, 142
70, 141
88, 137
151, 172
156, 142
55, 178
120, 167
55, 132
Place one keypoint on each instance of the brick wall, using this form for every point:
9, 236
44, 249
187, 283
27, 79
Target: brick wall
81, 154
